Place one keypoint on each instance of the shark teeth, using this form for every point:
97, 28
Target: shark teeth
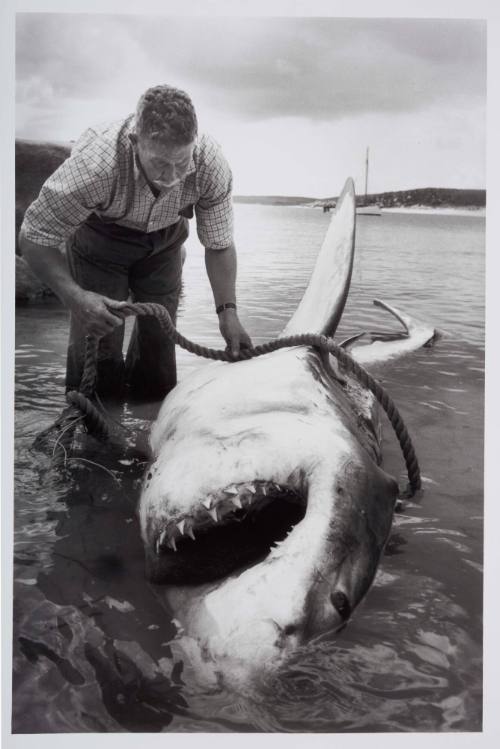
222, 506
181, 526
165, 539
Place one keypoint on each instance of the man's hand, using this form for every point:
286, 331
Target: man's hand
233, 332
96, 312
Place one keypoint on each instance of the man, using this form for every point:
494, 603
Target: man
120, 203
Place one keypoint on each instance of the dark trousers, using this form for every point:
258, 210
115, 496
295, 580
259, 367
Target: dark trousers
121, 263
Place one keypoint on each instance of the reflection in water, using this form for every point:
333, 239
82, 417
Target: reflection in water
93, 642
89, 604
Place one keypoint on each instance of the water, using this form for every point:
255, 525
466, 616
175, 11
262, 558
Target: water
92, 639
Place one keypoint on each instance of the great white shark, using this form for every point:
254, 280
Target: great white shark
265, 510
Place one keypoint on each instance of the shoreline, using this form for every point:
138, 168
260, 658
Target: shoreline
417, 209
448, 211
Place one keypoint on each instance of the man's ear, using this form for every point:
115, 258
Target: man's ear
133, 138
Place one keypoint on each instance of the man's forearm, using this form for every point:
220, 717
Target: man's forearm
221, 270
49, 265
98, 314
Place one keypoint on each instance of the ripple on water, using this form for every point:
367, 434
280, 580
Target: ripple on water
92, 641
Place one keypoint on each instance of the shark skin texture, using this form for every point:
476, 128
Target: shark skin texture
265, 511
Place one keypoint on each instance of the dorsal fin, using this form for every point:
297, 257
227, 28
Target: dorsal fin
323, 302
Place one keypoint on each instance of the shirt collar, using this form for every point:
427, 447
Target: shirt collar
140, 176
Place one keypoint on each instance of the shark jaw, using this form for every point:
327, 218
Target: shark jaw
229, 528
254, 461
241, 629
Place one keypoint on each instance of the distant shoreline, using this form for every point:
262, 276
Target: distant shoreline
471, 210
444, 211
426, 198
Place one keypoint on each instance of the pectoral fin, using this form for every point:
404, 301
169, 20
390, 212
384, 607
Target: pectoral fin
377, 346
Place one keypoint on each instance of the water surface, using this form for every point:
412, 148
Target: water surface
92, 639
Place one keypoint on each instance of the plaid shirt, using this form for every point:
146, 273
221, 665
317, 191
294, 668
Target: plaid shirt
101, 177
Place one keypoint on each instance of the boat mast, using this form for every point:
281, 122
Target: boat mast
366, 174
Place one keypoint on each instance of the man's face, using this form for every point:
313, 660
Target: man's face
165, 165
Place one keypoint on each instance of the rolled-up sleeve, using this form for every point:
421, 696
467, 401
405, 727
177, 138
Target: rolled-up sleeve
80, 185
214, 208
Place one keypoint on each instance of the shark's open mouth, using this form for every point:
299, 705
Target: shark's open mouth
230, 529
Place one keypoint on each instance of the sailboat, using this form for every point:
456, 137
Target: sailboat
365, 209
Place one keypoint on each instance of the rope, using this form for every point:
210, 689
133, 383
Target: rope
97, 426
80, 408
87, 383
79, 403
94, 421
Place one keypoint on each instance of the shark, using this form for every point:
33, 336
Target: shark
265, 510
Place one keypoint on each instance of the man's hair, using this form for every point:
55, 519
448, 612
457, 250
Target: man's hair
165, 113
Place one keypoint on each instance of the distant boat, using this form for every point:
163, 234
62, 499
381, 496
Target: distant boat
366, 209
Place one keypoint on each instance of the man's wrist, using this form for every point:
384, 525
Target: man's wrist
71, 295
225, 306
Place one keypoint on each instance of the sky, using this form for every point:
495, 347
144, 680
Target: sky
294, 102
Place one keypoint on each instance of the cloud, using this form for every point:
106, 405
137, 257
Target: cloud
321, 68
294, 101
256, 68
79, 54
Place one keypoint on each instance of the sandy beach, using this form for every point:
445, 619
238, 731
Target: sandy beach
439, 211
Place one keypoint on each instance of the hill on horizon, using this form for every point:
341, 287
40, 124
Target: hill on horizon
433, 197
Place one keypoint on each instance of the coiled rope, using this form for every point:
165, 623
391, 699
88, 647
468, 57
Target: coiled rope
80, 399
96, 425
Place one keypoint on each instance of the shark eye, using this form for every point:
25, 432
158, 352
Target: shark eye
341, 604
